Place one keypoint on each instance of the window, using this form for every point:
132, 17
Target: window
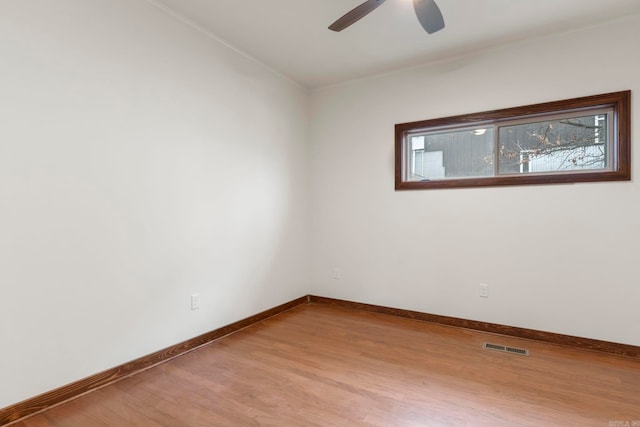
577, 140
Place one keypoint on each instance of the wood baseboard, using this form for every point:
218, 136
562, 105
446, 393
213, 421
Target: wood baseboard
548, 337
52, 398
55, 397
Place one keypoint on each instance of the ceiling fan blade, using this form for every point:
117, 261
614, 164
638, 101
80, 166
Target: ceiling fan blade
355, 14
429, 15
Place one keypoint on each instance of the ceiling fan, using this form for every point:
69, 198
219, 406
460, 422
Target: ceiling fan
427, 11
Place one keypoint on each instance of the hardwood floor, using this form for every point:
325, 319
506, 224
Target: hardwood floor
321, 365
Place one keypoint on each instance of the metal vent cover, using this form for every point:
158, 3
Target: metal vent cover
506, 349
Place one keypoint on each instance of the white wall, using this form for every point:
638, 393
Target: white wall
430, 250
140, 162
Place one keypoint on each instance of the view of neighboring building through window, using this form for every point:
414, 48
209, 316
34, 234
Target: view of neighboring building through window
462, 153
570, 144
546, 143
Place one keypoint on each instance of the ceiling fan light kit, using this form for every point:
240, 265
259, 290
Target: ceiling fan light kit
427, 11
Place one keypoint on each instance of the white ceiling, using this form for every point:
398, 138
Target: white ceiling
291, 36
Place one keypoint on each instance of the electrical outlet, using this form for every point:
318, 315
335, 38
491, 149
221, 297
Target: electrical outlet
195, 301
337, 273
484, 290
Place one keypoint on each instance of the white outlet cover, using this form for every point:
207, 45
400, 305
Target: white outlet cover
195, 301
484, 290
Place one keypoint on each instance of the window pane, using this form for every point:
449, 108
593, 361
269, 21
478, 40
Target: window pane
445, 155
567, 144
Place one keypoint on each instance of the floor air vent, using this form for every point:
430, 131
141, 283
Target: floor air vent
503, 348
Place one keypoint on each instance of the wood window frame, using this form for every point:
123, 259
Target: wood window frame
620, 102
